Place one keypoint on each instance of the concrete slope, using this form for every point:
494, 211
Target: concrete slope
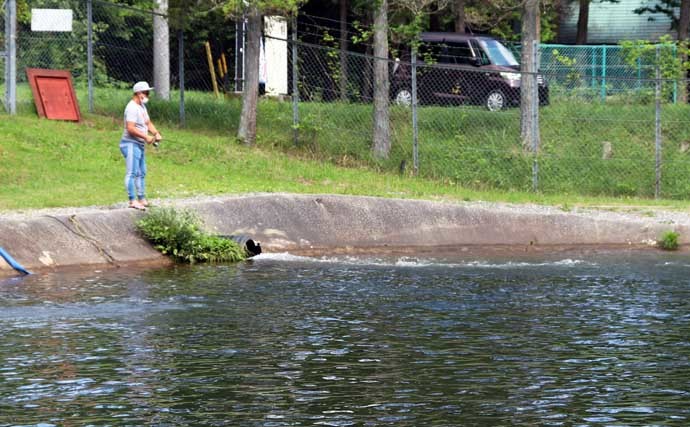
285, 222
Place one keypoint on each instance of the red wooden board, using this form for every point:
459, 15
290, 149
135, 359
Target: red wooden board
54, 94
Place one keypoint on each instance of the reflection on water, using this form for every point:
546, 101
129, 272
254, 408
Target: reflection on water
285, 340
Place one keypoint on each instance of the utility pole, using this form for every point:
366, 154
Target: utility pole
161, 50
11, 56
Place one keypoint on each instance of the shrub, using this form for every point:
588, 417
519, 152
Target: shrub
179, 234
669, 241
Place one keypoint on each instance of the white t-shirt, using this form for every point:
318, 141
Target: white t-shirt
136, 113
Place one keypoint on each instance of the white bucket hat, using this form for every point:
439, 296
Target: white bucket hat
141, 87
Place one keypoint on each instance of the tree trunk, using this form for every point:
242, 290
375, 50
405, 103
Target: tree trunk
460, 16
161, 51
250, 95
529, 106
343, 50
381, 144
684, 20
683, 25
434, 17
582, 22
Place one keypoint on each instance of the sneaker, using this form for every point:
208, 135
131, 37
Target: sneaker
136, 205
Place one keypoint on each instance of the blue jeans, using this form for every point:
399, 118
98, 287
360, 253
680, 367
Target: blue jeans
135, 161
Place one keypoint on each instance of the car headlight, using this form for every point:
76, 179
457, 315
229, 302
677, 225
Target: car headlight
511, 76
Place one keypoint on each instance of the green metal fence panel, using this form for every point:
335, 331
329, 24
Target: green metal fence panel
597, 70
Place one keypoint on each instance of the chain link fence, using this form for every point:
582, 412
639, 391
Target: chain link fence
122, 51
4, 45
462, 123
604, 127
50, 50
601, 70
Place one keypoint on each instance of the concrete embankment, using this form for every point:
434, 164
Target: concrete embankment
284, 222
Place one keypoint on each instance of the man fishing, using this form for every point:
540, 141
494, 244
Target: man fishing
139, 131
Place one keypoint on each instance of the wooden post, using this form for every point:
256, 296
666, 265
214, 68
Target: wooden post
212, 69
225, 63
221, 75
226, 83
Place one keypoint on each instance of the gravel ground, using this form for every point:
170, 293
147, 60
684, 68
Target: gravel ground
637, 214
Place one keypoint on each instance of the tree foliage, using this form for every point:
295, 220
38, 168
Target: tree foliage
669, 56
62, 51
664, 7
264, 7
500, 18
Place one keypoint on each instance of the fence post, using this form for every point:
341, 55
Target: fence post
295, 89
180, 66
657, 128
415, 128
6, 56
89, 50
603, 74
11, 56
240, 30
675, 82
237, 55
535, 117
594, 67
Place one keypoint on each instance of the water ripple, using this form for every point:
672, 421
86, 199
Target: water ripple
346, 341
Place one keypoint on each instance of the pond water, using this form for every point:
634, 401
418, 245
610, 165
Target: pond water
284, 340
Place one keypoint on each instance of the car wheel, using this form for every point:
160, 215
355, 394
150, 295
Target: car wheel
495, 101
403, 96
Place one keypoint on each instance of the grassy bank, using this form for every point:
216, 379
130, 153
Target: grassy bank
459, 147
471, 147
51, 164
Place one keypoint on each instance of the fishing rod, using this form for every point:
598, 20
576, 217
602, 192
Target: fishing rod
157, 144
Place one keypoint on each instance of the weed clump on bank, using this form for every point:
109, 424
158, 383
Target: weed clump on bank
179, 235
669, 241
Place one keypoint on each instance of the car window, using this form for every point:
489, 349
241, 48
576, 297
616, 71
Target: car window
446, 53
430, 52
499, 54
460, 53
483, 57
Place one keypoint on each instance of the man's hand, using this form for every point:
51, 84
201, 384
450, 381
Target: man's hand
150, 139
158, 136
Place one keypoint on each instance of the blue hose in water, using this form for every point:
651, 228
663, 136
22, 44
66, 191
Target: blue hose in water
14, 264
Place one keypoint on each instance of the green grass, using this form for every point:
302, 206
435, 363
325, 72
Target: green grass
47, 163
482, 150
466, 153
477, 149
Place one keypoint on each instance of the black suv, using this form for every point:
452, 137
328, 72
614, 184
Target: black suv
471, 69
